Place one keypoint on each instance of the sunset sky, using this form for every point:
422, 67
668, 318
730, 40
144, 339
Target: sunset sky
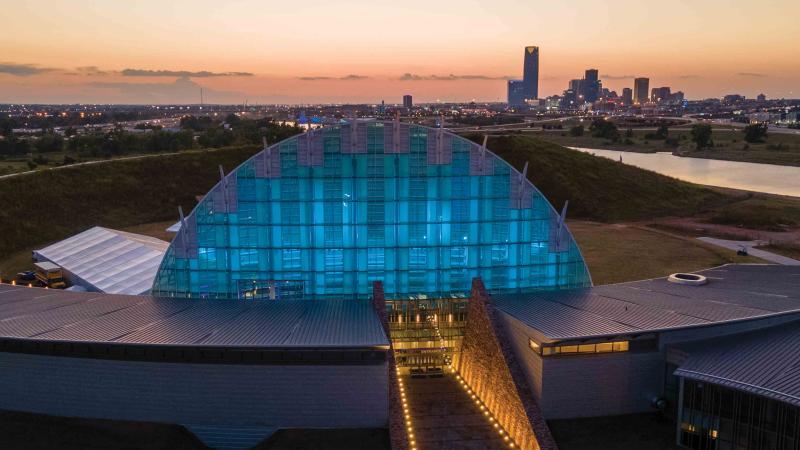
364, 51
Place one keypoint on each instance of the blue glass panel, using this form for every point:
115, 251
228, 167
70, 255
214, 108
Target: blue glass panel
370, 215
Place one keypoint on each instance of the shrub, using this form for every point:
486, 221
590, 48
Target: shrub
701, 136
756, 132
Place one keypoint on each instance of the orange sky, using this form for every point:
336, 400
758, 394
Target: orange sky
359, 51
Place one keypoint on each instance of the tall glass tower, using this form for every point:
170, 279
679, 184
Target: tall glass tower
530, 74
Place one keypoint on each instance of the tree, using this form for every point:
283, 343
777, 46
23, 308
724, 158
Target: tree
49, 143
662, 132
576, 131
7, 126
756, 132
604, 129
701, 135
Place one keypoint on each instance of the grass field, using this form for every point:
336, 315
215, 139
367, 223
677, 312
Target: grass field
782, 149
156, 229
787, 250
47, 206
616, 252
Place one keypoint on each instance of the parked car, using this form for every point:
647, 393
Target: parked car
28, 275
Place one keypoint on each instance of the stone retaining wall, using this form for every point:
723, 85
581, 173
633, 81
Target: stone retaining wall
490, 368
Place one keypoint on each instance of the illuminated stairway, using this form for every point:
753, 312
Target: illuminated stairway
444, 417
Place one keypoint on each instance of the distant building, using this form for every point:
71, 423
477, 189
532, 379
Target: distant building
516, 93
677, 97
552, 102
733, 98
530, 73
641, 86
761, 98
660, 94
576, 85
627, 96
591, 85
764, 117
407, 101
570, 99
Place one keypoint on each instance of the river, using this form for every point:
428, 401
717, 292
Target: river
784, 180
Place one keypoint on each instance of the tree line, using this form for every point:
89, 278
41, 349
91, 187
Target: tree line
194, 132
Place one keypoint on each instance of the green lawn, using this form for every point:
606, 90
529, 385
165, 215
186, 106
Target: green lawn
787, 250
601, 189
46, 206
617, 253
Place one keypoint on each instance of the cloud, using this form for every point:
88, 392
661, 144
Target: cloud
22, 70
182, 90
689, 77
414, 77
181, 73
91, 70
751, 74
618, 77
350, 77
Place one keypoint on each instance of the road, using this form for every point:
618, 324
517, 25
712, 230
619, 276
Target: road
751, 250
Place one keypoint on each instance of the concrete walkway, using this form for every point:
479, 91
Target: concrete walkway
749, 245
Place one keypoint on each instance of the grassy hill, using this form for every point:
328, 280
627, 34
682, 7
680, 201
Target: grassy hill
601, 189
46, 206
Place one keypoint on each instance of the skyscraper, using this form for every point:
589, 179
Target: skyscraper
576, 85
530, 73
591, 85
407, 101
627, 96
641, 86
516, 93
660, 94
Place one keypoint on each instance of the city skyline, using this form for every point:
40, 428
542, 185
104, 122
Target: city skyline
102, 53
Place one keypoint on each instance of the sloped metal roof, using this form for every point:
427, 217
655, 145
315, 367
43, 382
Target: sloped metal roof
53, 315
764, 363
733, 292
106, 260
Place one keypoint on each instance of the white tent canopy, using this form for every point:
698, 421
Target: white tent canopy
105, 260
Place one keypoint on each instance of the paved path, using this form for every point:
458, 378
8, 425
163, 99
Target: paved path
749, 245
89, 163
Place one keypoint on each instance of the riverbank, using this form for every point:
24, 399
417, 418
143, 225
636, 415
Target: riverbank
729, 145
743, 176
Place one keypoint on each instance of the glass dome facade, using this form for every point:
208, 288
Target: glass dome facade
328, 212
